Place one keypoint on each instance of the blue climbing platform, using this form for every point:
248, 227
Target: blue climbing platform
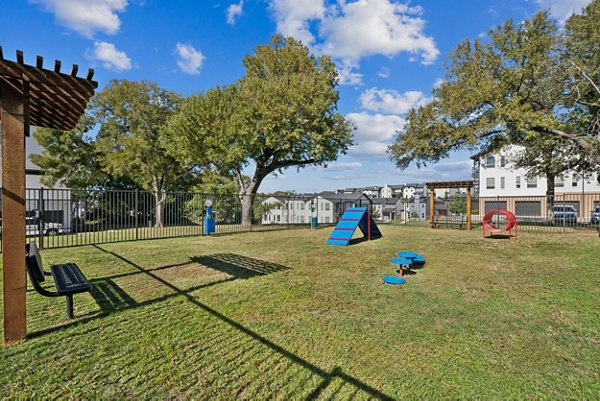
356, 217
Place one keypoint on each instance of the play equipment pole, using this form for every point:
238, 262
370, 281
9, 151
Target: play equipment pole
431, 207
468, 209
369, 224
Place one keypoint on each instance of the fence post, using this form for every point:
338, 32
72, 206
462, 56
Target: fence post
137, 213
41, 213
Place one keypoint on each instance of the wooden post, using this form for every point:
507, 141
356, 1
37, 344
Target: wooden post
13, 108
468, 209
431, 207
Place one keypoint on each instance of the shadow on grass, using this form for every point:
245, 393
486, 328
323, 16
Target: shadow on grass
110, 298
238, 265
499, 236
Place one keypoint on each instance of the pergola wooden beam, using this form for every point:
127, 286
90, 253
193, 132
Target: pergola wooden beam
29, 95
467, 184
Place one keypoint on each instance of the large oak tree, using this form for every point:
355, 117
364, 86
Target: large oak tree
281, 114
528, 82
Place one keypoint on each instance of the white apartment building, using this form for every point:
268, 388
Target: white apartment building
328, 208
502, 186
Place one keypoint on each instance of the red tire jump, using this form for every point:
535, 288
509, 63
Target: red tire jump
511, 222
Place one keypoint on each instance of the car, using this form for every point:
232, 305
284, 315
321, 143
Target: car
32, 227
564, 215
595, 218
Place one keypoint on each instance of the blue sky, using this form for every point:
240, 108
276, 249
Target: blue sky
389, 53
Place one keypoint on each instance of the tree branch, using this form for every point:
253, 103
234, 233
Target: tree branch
590, 80
581, 141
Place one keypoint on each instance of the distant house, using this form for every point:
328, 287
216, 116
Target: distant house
328, 207
391, 191
372, 192
338, 203
386, 209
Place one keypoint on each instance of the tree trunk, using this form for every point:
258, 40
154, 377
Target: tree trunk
550, 197
159, 202
247, 195
247, 202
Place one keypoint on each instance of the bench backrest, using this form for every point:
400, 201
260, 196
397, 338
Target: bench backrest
33, 260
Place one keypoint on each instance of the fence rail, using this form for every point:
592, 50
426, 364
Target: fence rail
562, 213
58, 218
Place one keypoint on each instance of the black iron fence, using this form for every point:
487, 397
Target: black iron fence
561, 213
63, 217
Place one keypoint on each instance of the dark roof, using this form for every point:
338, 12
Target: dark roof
55, 100
330, 196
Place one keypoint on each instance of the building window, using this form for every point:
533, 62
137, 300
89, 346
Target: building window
531, 182
559, 182
490, 183
502, 161
490, 162
518, 183
574, 183
278, 218
327, 206
502, 182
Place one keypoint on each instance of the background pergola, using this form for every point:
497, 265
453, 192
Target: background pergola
432, 186
29, 95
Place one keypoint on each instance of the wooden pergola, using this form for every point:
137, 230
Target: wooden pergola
432, 186
29, 95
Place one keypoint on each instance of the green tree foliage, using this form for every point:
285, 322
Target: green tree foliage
458, 205
69, 157
131, 116
222, 191
510, 89
581, 58
281, 114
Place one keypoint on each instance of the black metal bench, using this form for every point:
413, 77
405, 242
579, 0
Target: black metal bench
68, 279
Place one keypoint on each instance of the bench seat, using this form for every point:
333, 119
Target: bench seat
68, 279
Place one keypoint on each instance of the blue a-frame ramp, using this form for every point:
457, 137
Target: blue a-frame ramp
350, 220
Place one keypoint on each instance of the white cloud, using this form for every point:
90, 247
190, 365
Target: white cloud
293, 17
110, 57
233, 11
367, 27
352, 30
384, 72
86, 16
343, 166
374, 133
391, 101
189, 59
563, 9
348, 74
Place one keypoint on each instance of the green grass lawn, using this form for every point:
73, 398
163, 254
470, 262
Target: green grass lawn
282, 315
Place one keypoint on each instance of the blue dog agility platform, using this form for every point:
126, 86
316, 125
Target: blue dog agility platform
350, 220
414, 257
402, 261
394, 280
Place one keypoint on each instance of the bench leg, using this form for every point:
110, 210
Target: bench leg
70, 306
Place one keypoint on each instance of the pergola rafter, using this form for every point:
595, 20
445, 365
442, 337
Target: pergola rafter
29, 95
